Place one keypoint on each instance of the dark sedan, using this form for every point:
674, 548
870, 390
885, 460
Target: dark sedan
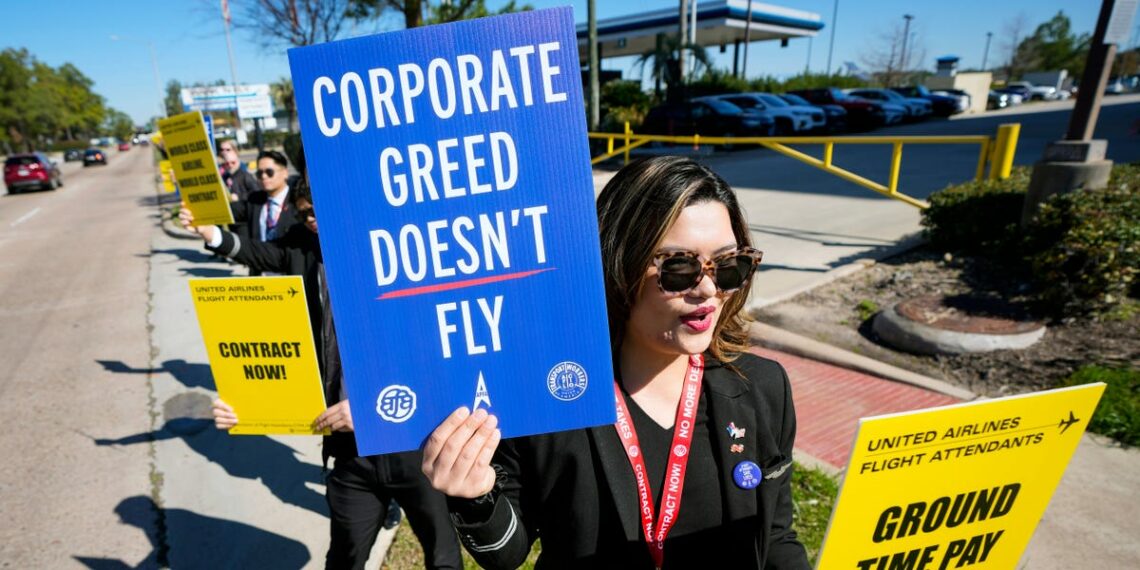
94, 156
944, 105
707, 118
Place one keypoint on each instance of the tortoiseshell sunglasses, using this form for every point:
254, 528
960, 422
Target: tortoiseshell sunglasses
681, 271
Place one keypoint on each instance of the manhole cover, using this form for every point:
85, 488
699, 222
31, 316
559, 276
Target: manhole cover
966, 314
954, 325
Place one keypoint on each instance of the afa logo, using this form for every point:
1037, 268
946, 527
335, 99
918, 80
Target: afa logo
396, 403
566, 381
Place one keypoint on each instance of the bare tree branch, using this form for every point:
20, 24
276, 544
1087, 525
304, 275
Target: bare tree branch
292, 23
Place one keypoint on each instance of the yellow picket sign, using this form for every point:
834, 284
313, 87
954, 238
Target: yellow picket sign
962, 486
190, 152
167, 175
261, 350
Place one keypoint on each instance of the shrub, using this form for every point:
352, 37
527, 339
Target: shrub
1118, 415
1084, 246
976, 217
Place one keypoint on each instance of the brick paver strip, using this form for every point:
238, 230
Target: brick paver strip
830, 400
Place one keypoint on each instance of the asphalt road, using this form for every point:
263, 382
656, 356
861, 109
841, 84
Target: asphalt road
73, 296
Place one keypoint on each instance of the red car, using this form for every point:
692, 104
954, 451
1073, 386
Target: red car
31, 170
124, 146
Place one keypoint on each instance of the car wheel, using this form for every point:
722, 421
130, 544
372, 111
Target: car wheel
782, 129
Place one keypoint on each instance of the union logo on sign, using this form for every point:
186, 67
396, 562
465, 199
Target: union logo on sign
396, 403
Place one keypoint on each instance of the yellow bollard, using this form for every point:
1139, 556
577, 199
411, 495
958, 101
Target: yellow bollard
609, 145
1004, 149
627, 133
696, 142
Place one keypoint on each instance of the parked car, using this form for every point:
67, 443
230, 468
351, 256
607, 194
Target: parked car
1002, 99
1115, 87
73, 155
784, 122
709, 117
94, 156
1020, 90
965, 100
1037, 92
31, 170
861, 113
815, 114
943, 105
916, 109
834, 115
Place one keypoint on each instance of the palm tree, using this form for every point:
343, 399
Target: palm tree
282, 92
665, 63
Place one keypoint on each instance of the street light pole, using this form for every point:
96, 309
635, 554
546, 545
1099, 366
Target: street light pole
986, 54
906, 40
831, 45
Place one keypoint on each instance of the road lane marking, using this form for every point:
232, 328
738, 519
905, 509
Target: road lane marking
25, 217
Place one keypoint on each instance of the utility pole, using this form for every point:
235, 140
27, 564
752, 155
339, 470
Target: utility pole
830, 45
154, 67
747, 40
1078, 162
807, 64
906, 40
986, 53
681, 44
592, 37
233, 71
692, 37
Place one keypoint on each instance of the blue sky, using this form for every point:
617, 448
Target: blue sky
189, 42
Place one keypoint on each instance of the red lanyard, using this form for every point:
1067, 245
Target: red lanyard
671, 490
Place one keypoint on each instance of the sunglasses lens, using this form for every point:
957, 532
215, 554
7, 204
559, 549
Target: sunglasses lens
733, 272
267, 173
679, 273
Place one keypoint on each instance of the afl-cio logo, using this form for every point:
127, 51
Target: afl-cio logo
566, 381
680, 451
396, 403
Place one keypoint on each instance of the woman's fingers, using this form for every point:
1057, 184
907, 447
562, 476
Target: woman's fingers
467, 463
440, 435
458, 439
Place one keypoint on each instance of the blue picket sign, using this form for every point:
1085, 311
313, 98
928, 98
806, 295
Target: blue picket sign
450, 167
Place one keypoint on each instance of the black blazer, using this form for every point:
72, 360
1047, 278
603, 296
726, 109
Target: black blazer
247, 215
557, 486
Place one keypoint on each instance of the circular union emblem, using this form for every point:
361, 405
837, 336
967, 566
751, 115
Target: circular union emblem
396, 403
679, 450
634, 451
566, 381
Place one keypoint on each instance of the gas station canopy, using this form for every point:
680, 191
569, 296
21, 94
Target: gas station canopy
719, 23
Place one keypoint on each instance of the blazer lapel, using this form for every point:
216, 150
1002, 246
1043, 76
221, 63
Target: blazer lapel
728, 404
619, 478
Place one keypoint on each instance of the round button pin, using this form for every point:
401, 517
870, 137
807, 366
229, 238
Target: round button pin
747, 475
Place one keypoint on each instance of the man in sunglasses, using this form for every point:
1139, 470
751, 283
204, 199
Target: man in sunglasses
267, 214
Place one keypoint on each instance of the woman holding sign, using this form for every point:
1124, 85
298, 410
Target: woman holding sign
698, 464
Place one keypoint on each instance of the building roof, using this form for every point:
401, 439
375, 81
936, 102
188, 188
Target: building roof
720, 22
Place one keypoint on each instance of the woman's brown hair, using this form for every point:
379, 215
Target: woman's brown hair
635, 211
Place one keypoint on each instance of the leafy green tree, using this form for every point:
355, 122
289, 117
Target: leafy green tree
118, 124
440, 13
1052, 46
664, 62
282, 93
173, 99
15, 96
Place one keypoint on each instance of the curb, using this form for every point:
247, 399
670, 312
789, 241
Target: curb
778, 339
171, 230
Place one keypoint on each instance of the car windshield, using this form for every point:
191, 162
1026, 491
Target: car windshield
20, 161
795, 99
772, 100
723, 107
890, 94
744, 102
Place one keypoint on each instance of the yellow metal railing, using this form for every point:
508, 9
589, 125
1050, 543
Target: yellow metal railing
997, 151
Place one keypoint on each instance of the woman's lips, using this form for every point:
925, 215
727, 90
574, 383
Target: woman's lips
699, 320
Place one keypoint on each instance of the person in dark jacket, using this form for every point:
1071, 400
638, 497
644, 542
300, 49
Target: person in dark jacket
234, 174
359, 490
698, 466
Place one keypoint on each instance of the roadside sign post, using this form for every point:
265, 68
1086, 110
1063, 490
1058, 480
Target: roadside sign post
451, 169
957, 486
